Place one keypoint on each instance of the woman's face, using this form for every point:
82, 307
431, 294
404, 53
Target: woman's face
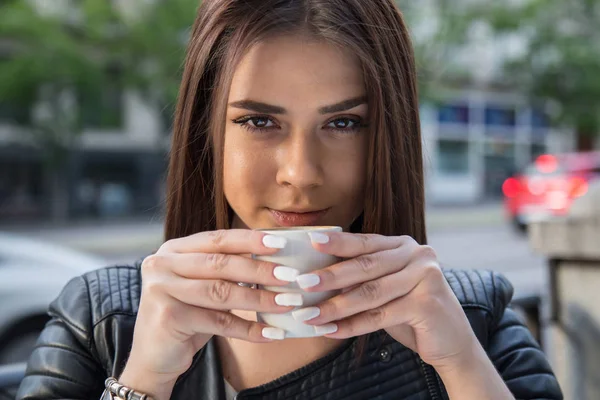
296, 138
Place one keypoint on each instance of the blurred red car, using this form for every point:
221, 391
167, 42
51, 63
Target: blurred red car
547, 187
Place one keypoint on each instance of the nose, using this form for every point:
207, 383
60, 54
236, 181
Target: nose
300, 162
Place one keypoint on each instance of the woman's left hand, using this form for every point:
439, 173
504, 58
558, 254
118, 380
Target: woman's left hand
390, 283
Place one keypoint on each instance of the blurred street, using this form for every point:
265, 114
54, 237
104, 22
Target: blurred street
464, 237
497, 248
480, 237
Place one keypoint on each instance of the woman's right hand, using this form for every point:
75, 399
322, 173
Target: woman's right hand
188, 288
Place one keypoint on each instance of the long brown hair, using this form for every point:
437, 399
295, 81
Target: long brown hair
223, 32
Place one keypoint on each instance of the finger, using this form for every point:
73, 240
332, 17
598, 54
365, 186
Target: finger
411, 309
356, 270
394, 313
347, 245
194, 321
228, 267
229, 241
224, 295
229, 325
368, 295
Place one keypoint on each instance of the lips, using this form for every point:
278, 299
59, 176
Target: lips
289, 218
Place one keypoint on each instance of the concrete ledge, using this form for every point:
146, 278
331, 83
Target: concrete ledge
572, 237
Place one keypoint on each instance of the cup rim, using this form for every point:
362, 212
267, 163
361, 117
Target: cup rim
301, 229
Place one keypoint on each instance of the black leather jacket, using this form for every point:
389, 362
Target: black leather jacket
90, 335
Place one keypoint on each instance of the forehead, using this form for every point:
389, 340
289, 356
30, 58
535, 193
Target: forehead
285, 68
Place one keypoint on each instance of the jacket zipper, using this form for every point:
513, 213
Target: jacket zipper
429, 379
442, 388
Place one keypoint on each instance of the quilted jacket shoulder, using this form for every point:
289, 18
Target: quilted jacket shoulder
113, 290
481, 289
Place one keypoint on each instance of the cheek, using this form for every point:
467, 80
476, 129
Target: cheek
243, 174
347, 178
351, 171
237, 173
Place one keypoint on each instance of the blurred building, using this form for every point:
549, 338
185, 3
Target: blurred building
475, 139
118, 170
478, 130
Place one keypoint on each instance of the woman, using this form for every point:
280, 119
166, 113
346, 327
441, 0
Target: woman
292, 112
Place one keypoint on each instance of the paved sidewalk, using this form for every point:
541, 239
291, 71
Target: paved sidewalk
465, 216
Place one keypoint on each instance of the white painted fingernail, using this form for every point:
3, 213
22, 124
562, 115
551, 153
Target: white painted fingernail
318, 237
287, 274
273, 333
274, 241
326, 329
289, 299
308, 280
304, 314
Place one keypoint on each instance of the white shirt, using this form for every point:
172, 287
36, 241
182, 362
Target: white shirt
230, 392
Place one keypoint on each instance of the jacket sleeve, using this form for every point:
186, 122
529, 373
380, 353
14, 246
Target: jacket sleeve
63, 364
520, 361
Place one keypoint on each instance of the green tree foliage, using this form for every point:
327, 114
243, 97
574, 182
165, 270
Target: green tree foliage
439, 29
46, 61
561, 60
59, 59
153, 49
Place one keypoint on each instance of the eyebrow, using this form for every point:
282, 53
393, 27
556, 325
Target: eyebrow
265, 108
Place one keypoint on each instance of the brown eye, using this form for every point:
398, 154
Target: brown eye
344, 124
261, 122
256, 123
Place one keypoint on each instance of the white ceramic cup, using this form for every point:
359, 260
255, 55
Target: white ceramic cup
300, 254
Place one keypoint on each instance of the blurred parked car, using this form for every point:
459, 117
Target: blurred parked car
32, 274
548, 186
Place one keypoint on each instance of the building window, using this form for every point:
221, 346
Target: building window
500, 116
453, 114
21, 186
453, 157
539, 119
499, 164
107, 186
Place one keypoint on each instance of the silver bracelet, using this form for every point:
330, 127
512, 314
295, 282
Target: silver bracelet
121, 392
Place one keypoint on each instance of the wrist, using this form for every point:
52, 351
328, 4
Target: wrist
472, 375
155, 386
469, 360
